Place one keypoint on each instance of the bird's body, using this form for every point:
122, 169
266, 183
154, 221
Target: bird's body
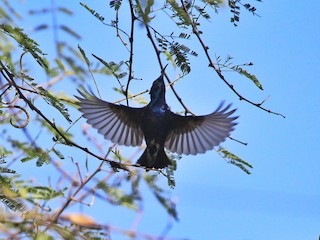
157, 125
155, 129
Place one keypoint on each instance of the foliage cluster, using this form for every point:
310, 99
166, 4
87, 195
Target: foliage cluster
30, 134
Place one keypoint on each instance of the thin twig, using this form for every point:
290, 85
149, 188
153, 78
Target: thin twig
212, 65
117, 29
162, 68
130, 77
115, 165
70, 199
132, 96
33, 107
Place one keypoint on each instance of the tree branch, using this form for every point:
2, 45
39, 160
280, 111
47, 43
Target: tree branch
130, 77
217, 70
187, 110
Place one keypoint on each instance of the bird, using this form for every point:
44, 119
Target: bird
157, 125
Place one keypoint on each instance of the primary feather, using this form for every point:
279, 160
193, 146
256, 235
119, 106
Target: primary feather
158, 126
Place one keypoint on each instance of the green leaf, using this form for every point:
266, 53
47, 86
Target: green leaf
118, 197
167, 204
114, 68
116, 4
235, 160
215, 3
5, 15
70, 31
252, 77
93, 12
41, 192
58, 153
53, 101
179, 12
31, 152
60, 65
9, 194
149, 6
4, 152
181, 59
67, 11
202, 12
25, 42
158, 192
83, 54
58, 139
41, 27
6, 170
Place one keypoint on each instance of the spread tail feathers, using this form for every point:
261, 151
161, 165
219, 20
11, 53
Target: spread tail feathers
154, 157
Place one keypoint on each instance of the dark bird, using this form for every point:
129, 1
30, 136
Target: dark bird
157, 125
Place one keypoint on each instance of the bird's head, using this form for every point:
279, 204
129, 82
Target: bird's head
157, 91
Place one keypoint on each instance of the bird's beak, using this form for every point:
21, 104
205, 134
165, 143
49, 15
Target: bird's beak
163, 70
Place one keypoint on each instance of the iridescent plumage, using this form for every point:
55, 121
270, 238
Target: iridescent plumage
158, 126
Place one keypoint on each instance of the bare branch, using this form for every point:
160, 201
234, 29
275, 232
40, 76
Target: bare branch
217, 70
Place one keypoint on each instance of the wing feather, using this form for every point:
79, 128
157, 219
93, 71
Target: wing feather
198, 134
117, 123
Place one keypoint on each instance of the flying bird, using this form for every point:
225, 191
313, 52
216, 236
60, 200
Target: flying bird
157, 125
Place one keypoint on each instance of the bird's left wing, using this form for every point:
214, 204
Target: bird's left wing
117, 123
198, 134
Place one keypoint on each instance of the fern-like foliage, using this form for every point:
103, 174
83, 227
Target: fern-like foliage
235, 160
179, 52
93, 12
8, 12
55, 102
4, 169
160, 194
9, 194
25, 42
181, 59
235, 10
118, 196
202, 12
179, 13
31, 153
22, 88
239, 68
33, 193
250, 76
116, 4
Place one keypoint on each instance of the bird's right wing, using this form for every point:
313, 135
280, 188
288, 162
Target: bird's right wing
198, 134
117, 123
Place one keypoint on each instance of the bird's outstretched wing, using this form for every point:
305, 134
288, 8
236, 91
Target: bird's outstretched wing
117, 123
198, 134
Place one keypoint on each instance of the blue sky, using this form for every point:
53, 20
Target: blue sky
215, 200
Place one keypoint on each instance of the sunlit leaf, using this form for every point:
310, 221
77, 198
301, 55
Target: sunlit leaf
235, 160
25, 42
